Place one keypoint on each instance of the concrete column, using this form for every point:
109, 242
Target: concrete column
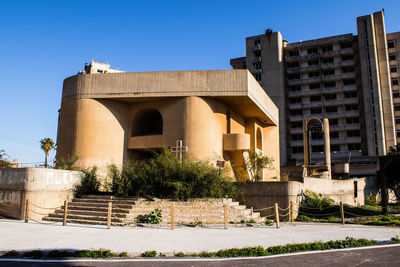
327, 142
305, 143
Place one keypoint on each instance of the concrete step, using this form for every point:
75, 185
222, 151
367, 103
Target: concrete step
103, 201
81, 221
92, 204
94, 208
92, 213
86, 217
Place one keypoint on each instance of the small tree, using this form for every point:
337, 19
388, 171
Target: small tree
4, 162
46, 144
256, 162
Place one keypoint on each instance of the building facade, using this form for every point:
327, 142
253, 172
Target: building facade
353, 80
111, 118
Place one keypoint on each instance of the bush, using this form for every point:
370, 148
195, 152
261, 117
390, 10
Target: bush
67, 163
153, 217
303, 218
35, 254
100, 253
59, 254
89, 183
164, 176
149, 254
10, 254
313, 200
180, 254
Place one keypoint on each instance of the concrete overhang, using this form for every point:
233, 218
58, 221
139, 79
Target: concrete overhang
236, 88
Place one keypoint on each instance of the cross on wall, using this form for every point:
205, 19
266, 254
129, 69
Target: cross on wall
179, 149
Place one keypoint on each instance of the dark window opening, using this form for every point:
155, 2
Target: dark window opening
330, 97
313, 74
316, 110
392, 57
296, 124
331, 109
335, 148
390, 44
333, 122
315, 86
350, 94
328, 60
294, 100
334, 135
349, 81
313, 62
354, 147
317, 148
353, 133
352, 120
329, 72
315, 98
293, 53
395, 81
297, 149
347, 57
313, 50
147, 122
329, 84
295, 88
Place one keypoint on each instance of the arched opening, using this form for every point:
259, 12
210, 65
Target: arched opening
259, 140
147, 122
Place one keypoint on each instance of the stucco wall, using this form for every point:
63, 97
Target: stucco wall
47, 188
260, 195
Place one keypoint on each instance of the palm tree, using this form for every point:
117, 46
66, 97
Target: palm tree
46, 144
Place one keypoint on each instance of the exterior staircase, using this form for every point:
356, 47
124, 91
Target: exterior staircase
92, 209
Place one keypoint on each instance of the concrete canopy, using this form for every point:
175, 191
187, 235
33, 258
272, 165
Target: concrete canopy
237, 88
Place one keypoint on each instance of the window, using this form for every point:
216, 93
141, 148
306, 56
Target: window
294, 77
316, 136
395, 81
329, 84
398, 134
393, 68
313, 50
257, 66
346, 45
293, 53
328, 60
316, 110
257, 53
295, 88
147, 122
257, 42
315, 98
392, 56
293, 65
347, 57
258, 77
353, 133
313, 62
296, 124
349, 81
327, 48
330, 97
294, 100
333, 122
335, 148
317, 149
297, 137
397, 120
397, 107
353, 147
313, 74
296, 112
329, 72
347, 69
391, 44
331, 109
352, 120
334, 135
396, 94
351, 107
350, 94
315, 86
297, 149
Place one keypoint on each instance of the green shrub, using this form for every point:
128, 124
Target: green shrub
10, 254
100, 253
153, 217
35, 254
303, 218
313, 200
164, 176
59, 254
67, 163
269, 222
149, 254
162, 255
89, 183
180, 254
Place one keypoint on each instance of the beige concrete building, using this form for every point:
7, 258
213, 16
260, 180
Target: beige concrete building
353, 80
110, 118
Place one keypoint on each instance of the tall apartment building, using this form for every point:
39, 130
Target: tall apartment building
353, 80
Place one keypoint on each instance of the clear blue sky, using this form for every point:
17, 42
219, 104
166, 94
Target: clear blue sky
44, 42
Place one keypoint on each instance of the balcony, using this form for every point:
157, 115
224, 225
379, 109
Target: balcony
257, 47
257, 59
147, 141
236, 141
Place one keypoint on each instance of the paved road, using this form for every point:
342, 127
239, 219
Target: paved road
367, 256
28, 236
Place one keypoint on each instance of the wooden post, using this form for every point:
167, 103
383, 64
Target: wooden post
109, 214
65, 212
277, 215
226, 216
291, 211
27, 211
172, 216
341, 212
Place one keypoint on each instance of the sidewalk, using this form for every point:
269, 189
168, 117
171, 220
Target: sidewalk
29, 236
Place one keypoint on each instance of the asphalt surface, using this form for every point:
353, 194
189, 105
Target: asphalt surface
386, 255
